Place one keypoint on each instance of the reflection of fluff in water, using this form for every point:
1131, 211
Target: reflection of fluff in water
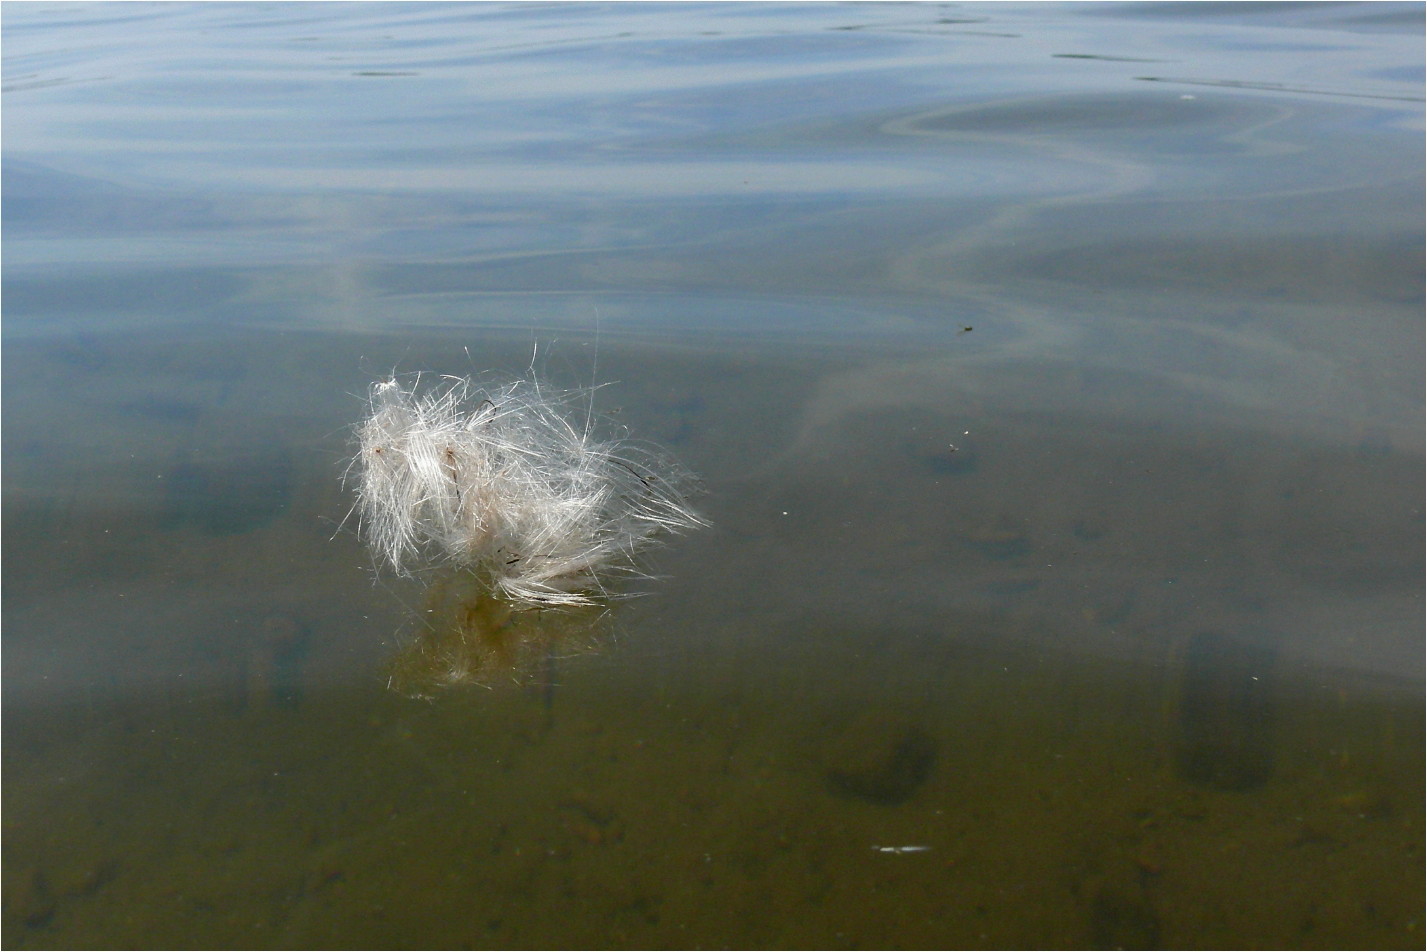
469, 636
501, 483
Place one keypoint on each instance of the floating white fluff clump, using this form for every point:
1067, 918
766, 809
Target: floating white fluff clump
500, 482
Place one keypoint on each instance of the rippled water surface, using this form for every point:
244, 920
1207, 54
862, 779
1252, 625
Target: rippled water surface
1054, 374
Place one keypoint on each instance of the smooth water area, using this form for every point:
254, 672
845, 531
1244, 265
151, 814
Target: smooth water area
1055, 378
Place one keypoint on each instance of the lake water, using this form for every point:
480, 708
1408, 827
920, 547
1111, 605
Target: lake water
1055, 378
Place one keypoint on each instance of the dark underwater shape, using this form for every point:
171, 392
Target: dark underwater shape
1225, 713
881, 761
234, 495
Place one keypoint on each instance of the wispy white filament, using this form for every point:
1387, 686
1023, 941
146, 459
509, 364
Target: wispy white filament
500, 482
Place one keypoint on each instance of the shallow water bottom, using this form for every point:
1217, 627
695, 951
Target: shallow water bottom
998, 799
1083, 682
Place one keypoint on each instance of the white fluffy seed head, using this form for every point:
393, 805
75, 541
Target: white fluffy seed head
498, 481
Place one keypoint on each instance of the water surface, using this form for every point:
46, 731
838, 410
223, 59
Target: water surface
1055, 378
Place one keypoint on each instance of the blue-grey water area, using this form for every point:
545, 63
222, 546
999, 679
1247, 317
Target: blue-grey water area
1054, 375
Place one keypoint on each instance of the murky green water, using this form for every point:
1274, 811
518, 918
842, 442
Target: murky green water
1054, 374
